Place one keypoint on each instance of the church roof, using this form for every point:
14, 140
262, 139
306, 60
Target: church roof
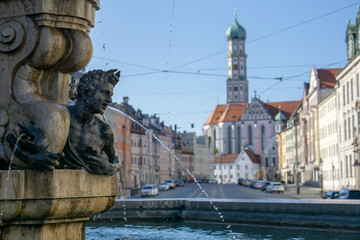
287, 108
327, 77
235, 31
233, 112
226, 113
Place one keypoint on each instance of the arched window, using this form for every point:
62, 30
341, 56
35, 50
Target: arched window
263, 137
274, 161
266, 162
250, 135
238, 134
229, 140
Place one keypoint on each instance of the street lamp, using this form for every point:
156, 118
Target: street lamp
321, 177
333, 176
221, 166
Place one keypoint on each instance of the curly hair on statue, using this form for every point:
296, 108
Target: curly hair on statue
92, 79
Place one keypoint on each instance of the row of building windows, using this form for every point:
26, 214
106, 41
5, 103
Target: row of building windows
349, 127
330, 151
329, 107
231, 176
234, 47
230, 167
135, 143
330, 175
347, 171
272, 164
138, 160
328, 130
348, 90
238, 137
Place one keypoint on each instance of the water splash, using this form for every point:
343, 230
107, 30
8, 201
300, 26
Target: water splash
221, 217
123, 202
8, 171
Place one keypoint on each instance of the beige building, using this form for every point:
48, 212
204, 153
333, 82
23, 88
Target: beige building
203, 154
321, 85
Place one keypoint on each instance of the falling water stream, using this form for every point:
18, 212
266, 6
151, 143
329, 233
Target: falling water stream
8, 172
221, 217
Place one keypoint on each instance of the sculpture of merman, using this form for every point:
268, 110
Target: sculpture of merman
90, 141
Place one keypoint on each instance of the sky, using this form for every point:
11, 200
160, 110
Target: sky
172, 53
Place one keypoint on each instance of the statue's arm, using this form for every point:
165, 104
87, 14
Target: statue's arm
109, 147
109, 164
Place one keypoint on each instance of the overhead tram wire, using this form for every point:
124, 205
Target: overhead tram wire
130, 64
302, 23
299, 75
251, 41
271, 34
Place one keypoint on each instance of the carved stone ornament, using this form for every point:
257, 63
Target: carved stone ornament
41, 43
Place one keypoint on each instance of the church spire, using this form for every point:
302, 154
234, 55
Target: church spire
237, 84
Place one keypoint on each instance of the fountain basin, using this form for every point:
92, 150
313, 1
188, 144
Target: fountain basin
318, 213
52, 204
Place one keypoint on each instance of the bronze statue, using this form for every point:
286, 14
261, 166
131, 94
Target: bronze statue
90, 141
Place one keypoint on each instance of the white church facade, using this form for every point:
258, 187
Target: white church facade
238, 124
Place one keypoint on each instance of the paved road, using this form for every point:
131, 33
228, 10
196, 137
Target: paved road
233, 191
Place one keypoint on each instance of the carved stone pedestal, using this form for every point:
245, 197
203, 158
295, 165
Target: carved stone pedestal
52, 205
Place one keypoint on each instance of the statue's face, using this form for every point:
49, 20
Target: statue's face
101, 98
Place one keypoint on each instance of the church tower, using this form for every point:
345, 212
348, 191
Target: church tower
237, 84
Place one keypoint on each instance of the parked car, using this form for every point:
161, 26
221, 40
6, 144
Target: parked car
348, 193
164, 186
149, 190
212, 181
264, 186
241, 181
171, 183
180, 183
259, 184
247, 183
332, 194
275, 187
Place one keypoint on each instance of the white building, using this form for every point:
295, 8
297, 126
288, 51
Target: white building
328, 142
229, 168
321, 85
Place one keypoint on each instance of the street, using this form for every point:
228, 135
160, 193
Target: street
191, 190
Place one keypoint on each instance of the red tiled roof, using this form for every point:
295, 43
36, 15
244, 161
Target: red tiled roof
215, 115
225, 158
296, 109
255, 158
226, 113
287, 108
327, 77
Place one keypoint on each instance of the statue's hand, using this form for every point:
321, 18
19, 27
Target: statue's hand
100, 165
35, 155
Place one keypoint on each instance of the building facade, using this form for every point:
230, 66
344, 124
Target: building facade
228, 168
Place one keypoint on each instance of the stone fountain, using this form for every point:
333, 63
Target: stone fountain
54, 177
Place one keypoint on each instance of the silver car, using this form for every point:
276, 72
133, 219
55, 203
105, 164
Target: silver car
275, 187
164, 186
149, 190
